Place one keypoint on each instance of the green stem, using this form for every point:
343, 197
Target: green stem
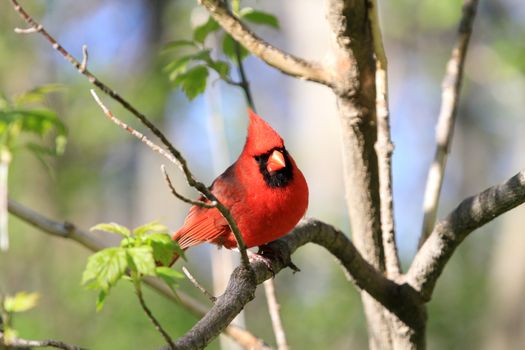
147, 311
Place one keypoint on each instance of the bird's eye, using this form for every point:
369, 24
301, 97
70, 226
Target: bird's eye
257, 158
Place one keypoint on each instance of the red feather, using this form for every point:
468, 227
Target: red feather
263, 212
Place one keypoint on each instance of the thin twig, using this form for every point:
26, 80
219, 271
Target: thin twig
283, 61
180, 196
198, 285
88, 240
152, 318
83, 65
384, 147
274, 308
180, 160
447, 116
132, 131
20, 343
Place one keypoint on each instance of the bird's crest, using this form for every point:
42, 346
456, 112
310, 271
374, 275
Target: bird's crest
261, 138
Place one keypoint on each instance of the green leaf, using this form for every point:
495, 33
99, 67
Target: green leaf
228, 47
21, 302
200, 33
163, 246
259, 17
142, 260
170, 276
178, 44
38, 94
150, 227
101, 298
179, 65
193, 82
10, 336
105, 268
112, 227
221, 67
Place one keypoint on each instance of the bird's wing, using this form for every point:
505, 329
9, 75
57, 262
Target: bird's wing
208, 225
201, 225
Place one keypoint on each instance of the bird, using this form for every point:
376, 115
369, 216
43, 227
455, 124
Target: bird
263, 189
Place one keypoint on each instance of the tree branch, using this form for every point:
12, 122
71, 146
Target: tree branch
448, 233
20, 343
243, 282
274, 310
70, 231
447, 116
180, 160
285, 62
384, 147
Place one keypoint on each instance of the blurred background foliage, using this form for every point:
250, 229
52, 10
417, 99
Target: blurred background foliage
106, 175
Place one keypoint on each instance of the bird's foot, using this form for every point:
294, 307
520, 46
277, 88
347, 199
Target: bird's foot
271, 251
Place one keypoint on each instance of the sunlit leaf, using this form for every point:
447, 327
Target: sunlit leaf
10, 335
105, 268
150, 227
142, 260
21, 302
101, 298
112, 227
259, 17
164, 247
200, 33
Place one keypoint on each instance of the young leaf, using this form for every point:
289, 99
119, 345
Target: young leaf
101, 298
228, 47
150, 227
163, 247
193, 82
20, 302
259, 17
177, 44
200, 33
10, 336
38, 94
222, 68
142, 260
112, 228
105, 268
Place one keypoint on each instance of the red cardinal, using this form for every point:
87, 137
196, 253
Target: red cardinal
264, 190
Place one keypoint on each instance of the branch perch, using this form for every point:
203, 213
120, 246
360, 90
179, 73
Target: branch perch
448, 233
285, 62
447, 117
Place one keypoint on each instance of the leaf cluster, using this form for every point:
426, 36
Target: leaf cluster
193, 61
9, 305
27, 115
143, 251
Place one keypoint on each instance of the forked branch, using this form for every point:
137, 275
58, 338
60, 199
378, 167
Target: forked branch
448, 233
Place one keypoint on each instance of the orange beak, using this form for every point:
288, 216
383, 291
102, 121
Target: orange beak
275, 162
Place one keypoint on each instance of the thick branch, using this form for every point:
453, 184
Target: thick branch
471, 214
447, 116
68, 230
286, 63
243, 282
